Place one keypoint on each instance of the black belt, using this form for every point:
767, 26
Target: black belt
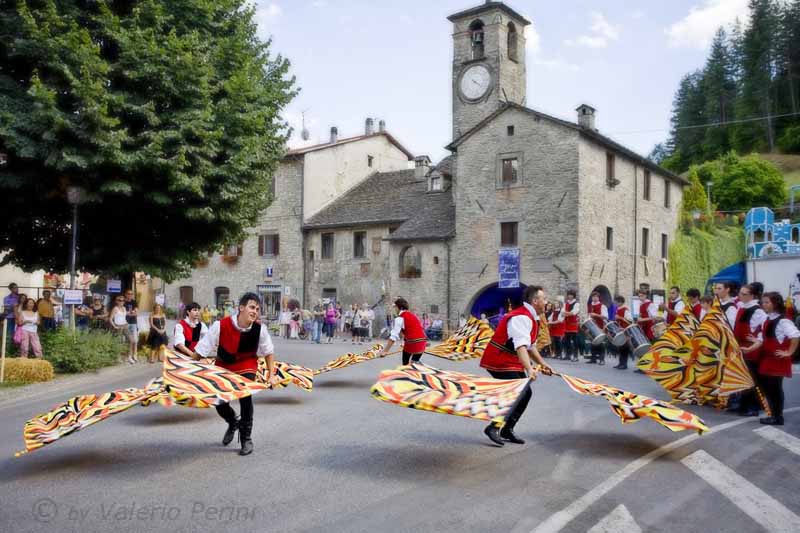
502, 347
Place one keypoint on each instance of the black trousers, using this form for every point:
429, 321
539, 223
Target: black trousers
624, 353
749, 399
245, 407
598, 352
557, 348
773, 390
571, 344
408, 357
522, 403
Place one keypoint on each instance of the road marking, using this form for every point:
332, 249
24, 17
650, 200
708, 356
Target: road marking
560, 519
768, 512
619, 519
781, 438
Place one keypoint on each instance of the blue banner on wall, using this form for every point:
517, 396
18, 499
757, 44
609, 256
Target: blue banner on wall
508, 268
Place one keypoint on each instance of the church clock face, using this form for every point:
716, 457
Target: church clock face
476, 82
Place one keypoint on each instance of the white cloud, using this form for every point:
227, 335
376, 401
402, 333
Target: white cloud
556, 64
319, 3
295, 121
697, 28
266, 13
638, 14
601, 33
533, 45
533, 41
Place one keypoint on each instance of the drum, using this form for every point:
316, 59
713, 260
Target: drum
659, 328
615, 334
638, 340
593, 332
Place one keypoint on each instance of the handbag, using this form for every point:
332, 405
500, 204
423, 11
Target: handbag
18, 335
364, 323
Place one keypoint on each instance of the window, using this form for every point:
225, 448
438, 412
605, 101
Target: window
508, 234
434, 309
436, 182
311, 255
510, 131
186, 295
510, 171
664, 246
476, 39
410, 263
221, 296
609, 238
233, 250
365, 269
376, 245
645, 241
512, 42
370, 159
268, 245
610, 167
666, 194
646, 188
359, 243
435, 259
327, 245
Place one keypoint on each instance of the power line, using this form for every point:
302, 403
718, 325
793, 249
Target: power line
725, 123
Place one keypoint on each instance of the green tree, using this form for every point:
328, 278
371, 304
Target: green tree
719, 93
165, 112
688, 112
741, 183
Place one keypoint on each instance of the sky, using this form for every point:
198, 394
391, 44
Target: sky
392, 60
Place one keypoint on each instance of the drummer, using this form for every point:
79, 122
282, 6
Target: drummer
674, 306
599, 314
624, 319
706, 303
694, 301
570, 313
647, 313
725, 291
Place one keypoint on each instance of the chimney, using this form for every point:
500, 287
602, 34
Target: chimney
586, 115
422, 164
369, 127
334, 134
382, 126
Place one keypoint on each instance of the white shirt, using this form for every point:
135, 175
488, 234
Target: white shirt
627, 315
759, 316
519, 327
785, 329
179, 338
730, 314
207, 347
603, 311
399, 325
679, 305
576, 308
30, 321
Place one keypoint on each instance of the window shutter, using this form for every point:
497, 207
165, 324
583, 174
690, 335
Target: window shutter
239, 251
260, 245
277, 244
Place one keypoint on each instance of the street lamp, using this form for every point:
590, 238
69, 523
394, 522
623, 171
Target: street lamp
74, 197
708, 195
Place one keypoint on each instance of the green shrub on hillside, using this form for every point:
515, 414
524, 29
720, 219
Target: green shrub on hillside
72, 352
741, 183
698, 254
789, 142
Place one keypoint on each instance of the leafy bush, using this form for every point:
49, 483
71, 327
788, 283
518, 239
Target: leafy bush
789, 142
72, 352
697, 254
741, 183
20, 370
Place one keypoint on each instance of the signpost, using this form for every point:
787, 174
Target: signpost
508, 268
73, 297
114, 285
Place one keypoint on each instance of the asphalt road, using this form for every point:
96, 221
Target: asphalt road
337, 460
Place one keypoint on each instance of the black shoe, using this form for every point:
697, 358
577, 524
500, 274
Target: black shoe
772, 421
493, 433
748, 413
244, 438
508, 434
621, 367
602, 362
247, 447
591, 362
230, 432
637, 371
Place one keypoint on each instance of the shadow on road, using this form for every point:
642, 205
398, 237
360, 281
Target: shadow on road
168, 418
607, 444
343, 384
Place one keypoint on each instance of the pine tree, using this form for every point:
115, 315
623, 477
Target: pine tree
688, 112
165, 112
719, 92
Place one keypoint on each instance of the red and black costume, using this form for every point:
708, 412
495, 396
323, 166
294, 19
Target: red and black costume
771, 368
645, 312
742, 330
697, 310
625, 349
191, 334
598, 351
557, 330
414, 337
571, 330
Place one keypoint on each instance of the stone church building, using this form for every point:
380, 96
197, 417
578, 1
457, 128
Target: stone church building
524, 196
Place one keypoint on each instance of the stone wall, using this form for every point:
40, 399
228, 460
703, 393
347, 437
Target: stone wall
428, 293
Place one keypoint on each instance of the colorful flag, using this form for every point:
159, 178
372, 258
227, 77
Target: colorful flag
631, 407
679, 332
466, 343
543, 339
287, 373
705, 369
422, 387
206, 383
349, 359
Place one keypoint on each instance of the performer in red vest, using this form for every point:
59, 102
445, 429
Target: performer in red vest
623, 319
725, 292
569, 314
675, 304
508, 356
237, 342
189, 331
407, 325
694, 301
599, 314
557, 326
647, 312
749, 320
780, 341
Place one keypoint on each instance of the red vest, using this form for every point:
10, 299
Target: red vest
671, 306
769, 365
620, 317
598, 310
500, 354
697, 309
237, 349
191, 334
644, 312
413, 333
741, 330
557, 329
570, 322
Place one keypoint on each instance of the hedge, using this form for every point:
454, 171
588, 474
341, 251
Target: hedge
19, 370
696, 254
75, 351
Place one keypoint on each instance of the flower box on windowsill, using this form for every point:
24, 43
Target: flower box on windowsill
230, 259
201, 262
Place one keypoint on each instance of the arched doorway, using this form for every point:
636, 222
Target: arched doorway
490, 299
606, 297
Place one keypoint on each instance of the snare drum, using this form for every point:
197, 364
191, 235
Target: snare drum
638, 340
593, 331
659, 328
615, 334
